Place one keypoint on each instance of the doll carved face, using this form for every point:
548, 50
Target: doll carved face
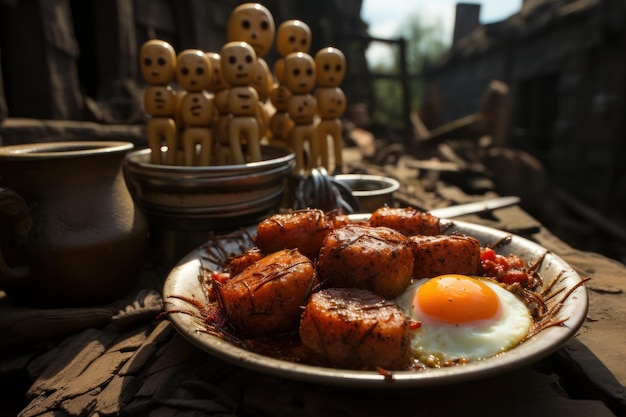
279, 96
157, 62
302, 108
331, 67
238, 63
331, 102
299, 73
252, 23
218, 82
193, 72
293, 36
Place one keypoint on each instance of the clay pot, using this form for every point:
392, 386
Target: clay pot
70, 234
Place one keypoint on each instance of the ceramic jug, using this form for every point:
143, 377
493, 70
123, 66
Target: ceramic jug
70, 234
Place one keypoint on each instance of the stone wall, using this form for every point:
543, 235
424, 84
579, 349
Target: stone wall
565, 63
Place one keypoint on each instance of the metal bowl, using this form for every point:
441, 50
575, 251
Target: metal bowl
372, 191
183, 203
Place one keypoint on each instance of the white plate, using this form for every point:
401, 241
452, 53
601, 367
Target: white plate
183, 281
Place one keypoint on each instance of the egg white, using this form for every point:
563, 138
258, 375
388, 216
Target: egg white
436, 342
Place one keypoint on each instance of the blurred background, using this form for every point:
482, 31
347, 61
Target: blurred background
543, 80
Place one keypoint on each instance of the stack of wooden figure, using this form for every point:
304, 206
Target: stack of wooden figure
210, 108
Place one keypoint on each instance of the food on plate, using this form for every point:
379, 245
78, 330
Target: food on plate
340, 220
509, 269
463, 319
302, 229
267, 297
445, 254
319, 288
238, 263
356, 329
373, 258
406, 220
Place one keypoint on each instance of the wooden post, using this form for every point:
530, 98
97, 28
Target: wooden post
406, 92
496, 109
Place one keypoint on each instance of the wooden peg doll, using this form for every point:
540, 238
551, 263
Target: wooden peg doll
263, 84
291, 36
217, 81
193, 74
280, 123
219, 88
330, 65
253, 23
157, 63
331, 103
180, 125
239, 69
299, 77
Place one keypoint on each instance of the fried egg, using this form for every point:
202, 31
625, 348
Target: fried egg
462, 319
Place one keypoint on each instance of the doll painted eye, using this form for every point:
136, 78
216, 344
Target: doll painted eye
162, 62
249, 59
147, 62
199, 71
296, 72
184, 71
292, 39
245, 24
265, 25
326, 67
232, 60
309, 72
338, 68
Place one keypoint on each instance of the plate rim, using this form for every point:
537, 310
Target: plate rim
528, 352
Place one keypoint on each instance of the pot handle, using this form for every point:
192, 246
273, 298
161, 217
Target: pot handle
13, 207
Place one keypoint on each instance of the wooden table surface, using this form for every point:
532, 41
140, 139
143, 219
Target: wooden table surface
129, 362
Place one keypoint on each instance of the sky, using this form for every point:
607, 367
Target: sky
385, 16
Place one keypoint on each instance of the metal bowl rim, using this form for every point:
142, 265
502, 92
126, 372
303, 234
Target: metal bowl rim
392, 184
137, 159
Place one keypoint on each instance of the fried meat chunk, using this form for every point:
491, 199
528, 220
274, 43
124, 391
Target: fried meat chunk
267, 297
408, 221
373, 258
445, 254
304, 230
355, 328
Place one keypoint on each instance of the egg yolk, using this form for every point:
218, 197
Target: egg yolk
457, 299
